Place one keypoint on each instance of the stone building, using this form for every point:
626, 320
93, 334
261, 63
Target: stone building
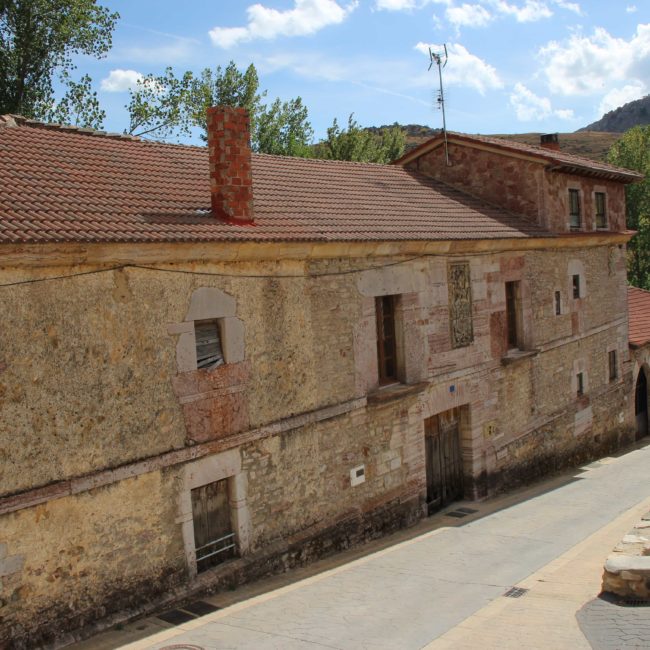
215, 365
639, 316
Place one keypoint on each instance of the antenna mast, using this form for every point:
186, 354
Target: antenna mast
436, 57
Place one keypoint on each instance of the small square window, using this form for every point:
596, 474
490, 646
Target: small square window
601, 213
558, 303
613, 365
209, 354
580, 380
575, 220
576, 286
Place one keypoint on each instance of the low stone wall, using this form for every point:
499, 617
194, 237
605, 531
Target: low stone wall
627, 569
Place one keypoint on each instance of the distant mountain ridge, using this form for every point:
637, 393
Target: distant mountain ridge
636, 113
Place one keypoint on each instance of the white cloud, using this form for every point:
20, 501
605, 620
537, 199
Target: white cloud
119, 81
468, 15
530, 107
630, 9
569, 6
587, 65
619, 96
465, 69
306, 17
529, 12
395, 5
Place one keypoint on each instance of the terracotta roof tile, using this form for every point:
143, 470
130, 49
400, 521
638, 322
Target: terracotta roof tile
559, 158
61, 185
638, 304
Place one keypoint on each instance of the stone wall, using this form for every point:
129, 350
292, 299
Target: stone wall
103, 410
523, 186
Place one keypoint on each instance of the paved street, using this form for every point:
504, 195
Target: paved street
445, 587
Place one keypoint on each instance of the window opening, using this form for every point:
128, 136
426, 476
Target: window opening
601, 216
558, 303
214, 540
208, 344
574, 209
576, 286
581, 384
613, 366
386, 343
460, 305
512, 300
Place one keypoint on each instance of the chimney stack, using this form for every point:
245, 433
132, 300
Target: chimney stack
550, 141
231, 178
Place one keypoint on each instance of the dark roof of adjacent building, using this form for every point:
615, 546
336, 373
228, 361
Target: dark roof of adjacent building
555, 159
62, 184
638, 304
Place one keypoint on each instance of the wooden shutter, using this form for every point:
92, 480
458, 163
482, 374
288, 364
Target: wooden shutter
208, 344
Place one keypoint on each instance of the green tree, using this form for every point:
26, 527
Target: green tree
78, 106
167, 104
283, 129
632, 151
358, 144
38, 40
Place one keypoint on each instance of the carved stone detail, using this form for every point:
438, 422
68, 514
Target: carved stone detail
460, 304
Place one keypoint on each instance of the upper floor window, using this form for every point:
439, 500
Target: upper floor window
558, 303
580, 384
386, 339
575, 218
613, 365
601, 210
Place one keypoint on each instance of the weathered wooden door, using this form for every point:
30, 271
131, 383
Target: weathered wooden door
641, 404
444, 464
214, 540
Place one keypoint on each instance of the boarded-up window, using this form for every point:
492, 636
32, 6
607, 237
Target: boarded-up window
208, 344
214, 540
386, 339
460, 305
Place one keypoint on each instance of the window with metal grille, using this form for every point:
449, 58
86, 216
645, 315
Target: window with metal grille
580, 381
512, 314
613, 366
575, 220
601, 215
386, 341
208, 344
576, 286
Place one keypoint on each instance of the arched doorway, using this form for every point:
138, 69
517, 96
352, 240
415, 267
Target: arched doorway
641, 404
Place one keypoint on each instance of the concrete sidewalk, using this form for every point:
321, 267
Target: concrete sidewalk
440, 584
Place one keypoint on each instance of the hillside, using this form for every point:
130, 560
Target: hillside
590, 144
623, 118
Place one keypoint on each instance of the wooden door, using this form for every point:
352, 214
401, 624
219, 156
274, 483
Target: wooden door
444, 466
214, 540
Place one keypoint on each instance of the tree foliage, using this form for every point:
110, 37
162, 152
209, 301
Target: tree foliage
38, 40
633, 152
358, 144
170, 105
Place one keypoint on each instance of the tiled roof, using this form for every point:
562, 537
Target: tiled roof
560, 159
66, 185
638, 304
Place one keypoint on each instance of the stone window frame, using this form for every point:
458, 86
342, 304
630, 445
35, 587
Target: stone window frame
580, 214
226, 465
600, 191
209, 303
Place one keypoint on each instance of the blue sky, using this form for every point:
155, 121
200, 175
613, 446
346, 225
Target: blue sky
514, 65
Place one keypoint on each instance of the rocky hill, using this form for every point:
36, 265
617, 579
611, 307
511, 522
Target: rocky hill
624, 117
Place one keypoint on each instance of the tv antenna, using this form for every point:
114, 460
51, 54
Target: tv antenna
437, 58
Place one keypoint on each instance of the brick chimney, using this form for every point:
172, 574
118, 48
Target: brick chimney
231, 178
550, 141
